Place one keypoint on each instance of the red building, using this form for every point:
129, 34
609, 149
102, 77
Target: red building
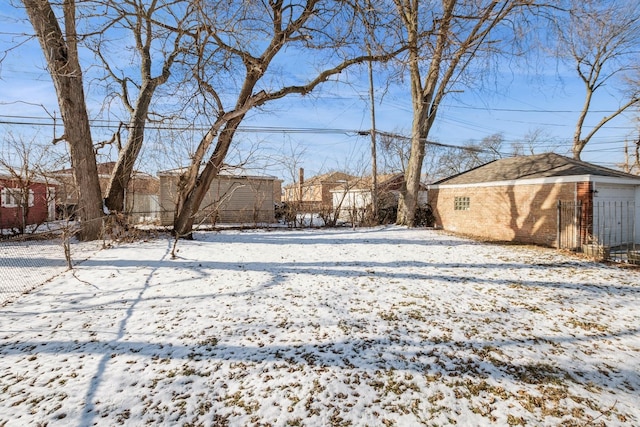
25, 202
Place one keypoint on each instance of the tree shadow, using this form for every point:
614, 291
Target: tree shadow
396, 350
482, 359
338, 236
90, 397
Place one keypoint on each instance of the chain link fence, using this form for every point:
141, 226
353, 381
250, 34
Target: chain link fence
28, 261
31, 259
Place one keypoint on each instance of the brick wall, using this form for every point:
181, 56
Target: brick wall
584, 195
12, 217
522, 213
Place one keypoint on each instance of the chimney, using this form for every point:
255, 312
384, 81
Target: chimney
300, 182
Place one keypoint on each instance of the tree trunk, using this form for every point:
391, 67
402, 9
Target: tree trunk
578, 142
189, 199
408, 201
61, 54
425, 100
83, 163
144, 36
123, 169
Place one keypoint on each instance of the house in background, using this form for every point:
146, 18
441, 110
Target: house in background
354, 198
141, 198
314, 195
233, 198
25, 202
520, 199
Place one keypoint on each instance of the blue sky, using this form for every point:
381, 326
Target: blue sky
519, 104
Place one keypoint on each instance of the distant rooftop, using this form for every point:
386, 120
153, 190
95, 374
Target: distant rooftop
227, 171
529, 167
6, 173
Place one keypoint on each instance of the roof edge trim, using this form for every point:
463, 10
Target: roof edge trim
549, 180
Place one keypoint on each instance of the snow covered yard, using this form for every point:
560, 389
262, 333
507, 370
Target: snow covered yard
386, 326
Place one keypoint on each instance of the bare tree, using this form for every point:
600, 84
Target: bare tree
350, 198
242, 42
444, 38
396, 148
290, 159
600, 40
534, 141
632, 165
394, 151
22, 161
60, 49
471, 155
157, 29
352, 201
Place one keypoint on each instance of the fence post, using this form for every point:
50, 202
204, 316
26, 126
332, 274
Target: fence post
577, 215
559, 225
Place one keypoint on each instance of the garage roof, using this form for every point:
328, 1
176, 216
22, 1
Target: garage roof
530, 167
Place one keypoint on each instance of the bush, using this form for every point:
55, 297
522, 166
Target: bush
424, 216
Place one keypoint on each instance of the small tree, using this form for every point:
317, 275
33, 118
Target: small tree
600, 40
290, 159
632, 162
472, 154
535, 141
331, 213
24, 163
394, 150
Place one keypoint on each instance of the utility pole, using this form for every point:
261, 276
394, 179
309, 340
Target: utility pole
374, 161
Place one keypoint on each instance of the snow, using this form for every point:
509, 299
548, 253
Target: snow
383, 326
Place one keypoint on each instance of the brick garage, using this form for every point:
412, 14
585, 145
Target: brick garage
516, 199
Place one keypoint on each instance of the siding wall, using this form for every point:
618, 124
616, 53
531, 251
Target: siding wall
229, 200
12, 217
142, 207
521, 213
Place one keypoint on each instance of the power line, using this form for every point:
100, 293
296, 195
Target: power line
38, 121
102, 123
427, 142
527, 110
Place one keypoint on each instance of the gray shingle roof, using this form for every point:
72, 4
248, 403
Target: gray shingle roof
529, 167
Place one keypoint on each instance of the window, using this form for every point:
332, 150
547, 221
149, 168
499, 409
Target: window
14, 197
461, 204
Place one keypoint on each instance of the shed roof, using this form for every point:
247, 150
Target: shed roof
227, 172
331, 178
327, 178
530, 167
386, 182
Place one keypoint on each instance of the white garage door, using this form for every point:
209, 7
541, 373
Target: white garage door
614, 214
